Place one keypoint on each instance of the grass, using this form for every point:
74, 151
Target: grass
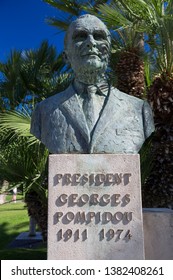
9, 197
14, 220
24, 254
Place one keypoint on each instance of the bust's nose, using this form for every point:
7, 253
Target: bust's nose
90, 42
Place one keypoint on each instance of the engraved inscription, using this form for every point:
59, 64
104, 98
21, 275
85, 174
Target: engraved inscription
69, 233
103, 235
92, 179
96, 217
92, 199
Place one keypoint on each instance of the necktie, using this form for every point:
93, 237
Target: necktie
90, 106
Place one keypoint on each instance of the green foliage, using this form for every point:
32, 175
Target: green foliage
162, 47
13, 121
70, 6
40, 74
154, 18
37, 73
11, 86
144, 14
147, 72
28, 77
71, 10
23, 158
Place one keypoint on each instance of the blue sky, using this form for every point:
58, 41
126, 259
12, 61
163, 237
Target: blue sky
23, 26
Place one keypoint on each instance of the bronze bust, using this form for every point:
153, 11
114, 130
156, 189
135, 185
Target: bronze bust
91, 116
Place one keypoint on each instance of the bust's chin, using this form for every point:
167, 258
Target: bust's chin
91, 72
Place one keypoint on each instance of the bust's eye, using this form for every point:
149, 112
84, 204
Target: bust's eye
80, 36
99, 35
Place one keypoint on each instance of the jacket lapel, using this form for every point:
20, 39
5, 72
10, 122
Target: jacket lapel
110, 110
74, 112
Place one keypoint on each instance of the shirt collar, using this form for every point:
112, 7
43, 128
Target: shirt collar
101, 88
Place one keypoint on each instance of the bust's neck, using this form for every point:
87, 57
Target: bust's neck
90, 78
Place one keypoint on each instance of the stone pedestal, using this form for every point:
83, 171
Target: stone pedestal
95, 207
32, 226
158, 233
2, 198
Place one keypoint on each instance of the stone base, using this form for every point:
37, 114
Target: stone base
24, 240
94, 210
158, 233
27, 236
2, 198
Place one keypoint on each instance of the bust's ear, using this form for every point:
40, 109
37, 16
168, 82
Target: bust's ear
65, 57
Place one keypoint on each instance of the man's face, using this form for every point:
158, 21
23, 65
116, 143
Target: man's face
88, 45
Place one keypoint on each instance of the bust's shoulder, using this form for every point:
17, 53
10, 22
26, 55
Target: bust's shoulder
56, 100
126, 97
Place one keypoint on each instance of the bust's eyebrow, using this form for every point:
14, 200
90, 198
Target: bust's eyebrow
100, 31
76, 31
84, 31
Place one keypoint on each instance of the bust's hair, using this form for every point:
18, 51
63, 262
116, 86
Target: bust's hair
86, 16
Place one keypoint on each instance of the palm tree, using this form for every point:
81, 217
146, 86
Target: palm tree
23, 163
159, 186
154, 19
127, 62
33, 73
23, 159
70, 10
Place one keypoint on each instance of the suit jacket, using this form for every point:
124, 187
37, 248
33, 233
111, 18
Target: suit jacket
123, 126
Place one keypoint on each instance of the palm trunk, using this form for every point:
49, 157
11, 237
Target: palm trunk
130, 73
158, 189
38, 211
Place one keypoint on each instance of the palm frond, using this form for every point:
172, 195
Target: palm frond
27, 74
22, 164
58, 23
67, 11
24, 167
161, 46
15, 124
113, 17
71, 7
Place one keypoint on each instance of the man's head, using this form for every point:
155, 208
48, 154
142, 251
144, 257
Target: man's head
87, 46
